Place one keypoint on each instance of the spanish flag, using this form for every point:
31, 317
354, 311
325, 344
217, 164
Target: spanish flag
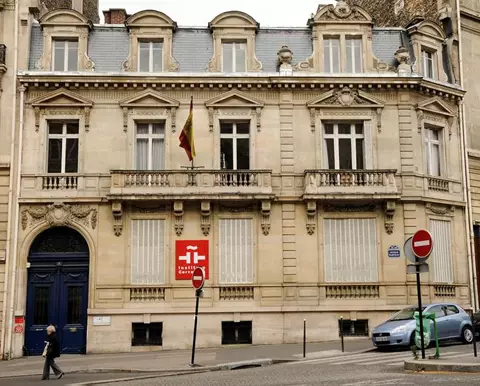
186, 136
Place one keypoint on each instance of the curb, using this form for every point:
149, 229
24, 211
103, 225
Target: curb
429, 365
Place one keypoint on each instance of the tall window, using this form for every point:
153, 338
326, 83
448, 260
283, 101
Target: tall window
65, 55
148, 252
234, 57
235, 145
150, 145
428, 63
350, 250
236, 251
62, 147
344, 146
432, 151
354, 54
331, 55
442, 253
150, 56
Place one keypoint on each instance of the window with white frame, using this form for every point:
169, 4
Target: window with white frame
433, 151
62, 147
150, 56
234, 57
428, 63
65, 55
344, 145
442, 253
235, 145
148, 252
236, 251
354, 54
150, 145
350, 250
331, 54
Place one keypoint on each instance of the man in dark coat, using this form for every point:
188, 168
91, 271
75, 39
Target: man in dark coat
52, 352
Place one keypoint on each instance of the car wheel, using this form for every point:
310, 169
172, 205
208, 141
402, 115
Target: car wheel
467, 334
412, 340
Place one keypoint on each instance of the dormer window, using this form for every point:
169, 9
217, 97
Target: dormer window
354, 54
65, 55
331, 54
150, 54
428, 63
234, 56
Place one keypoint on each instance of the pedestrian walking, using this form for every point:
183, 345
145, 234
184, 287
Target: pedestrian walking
51, 351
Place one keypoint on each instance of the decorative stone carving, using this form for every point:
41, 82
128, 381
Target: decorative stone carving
266, 209
420, 120
117, 211
86, 115
313, 119
60, 214
88, 64
178, 213
346, 97
205, 212
341, 11
378, 112
381, 66
441, 210
37, 112
210, 119
311, 217
389, 212
285, 57
125, 118
402, 55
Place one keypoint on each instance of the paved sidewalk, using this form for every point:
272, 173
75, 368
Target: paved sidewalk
176, 360
466, 364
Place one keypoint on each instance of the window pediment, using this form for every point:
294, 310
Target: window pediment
150, 18
234, 19
149, 100
435, 112
65, 17
427, 28
234, 100
340, 13
435, 106
65, 101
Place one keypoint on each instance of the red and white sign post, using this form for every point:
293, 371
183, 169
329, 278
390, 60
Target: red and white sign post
422, 247
198, 280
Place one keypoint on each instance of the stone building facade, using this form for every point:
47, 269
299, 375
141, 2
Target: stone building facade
319, 150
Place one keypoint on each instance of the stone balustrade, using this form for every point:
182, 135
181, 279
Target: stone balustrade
438, 184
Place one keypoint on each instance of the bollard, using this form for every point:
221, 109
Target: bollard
304, 337
341, 333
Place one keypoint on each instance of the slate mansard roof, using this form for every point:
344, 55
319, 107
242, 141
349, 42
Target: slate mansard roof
108, 46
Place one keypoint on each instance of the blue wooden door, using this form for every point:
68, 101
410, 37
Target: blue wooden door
57, 291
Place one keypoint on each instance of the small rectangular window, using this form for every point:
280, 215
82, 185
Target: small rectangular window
237, 332
235, 145
62, 147
234, 57
428, 64
344, 146
147, 334
331, 55
65, 55
353, 327
354, 54
150, 56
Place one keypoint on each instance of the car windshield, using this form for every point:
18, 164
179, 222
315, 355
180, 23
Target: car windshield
405, 314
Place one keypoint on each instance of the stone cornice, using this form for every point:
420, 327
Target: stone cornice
37, 79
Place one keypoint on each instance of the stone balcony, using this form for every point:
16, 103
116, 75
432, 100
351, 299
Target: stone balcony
430, 188
191, 185
80, 187
350, 185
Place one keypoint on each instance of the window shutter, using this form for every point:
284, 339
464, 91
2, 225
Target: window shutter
441, 258
350, 250
236, 251
148, 252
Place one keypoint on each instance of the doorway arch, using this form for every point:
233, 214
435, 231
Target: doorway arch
57, 290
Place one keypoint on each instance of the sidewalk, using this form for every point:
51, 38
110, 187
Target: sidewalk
178, 360
468, 364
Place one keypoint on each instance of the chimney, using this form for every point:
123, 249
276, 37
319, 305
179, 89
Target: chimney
115, 16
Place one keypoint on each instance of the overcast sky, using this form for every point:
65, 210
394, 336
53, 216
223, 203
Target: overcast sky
271, 13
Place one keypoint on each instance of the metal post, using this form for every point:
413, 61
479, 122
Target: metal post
341, 333
197, 295
419, 293
304, 337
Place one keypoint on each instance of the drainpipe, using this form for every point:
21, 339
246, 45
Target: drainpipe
4, 353
466, 186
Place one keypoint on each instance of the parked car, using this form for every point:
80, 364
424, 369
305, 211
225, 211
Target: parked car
452, 323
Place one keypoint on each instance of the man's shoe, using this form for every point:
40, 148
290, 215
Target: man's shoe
61, 375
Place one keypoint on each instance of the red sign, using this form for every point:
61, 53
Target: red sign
198, 278
422, 243
19, 320
190, 254
18, 329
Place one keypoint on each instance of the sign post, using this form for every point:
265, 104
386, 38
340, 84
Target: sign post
198, 280
422, 246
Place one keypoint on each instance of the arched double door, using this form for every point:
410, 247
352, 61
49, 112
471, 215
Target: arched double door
57, 291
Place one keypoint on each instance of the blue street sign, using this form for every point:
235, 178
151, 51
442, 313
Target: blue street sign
393, 251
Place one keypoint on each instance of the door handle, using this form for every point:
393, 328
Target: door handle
73, 329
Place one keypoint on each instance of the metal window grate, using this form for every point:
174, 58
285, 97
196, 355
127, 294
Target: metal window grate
147, 334
237, 332
353, 327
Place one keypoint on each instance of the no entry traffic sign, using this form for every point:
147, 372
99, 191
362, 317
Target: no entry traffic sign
198, 278
422, 243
